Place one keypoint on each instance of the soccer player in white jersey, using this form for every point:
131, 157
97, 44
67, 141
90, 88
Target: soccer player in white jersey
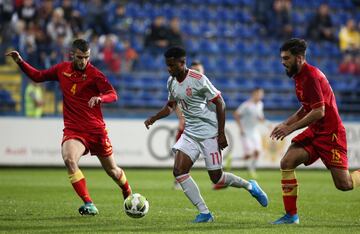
248, 116
204, 132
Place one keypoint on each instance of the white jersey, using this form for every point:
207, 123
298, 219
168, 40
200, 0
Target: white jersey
251, 113
193, 95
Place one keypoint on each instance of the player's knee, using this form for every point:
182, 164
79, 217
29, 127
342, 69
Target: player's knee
286, 164
178, 172
70, 162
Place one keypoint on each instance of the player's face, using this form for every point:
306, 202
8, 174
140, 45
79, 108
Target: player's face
258, 95
175, 67
289, 61
80, 59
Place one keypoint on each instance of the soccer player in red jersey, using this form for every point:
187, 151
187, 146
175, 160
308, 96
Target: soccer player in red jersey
84, 88
325, 136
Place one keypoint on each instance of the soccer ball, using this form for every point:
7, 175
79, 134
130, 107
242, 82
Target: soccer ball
136, 205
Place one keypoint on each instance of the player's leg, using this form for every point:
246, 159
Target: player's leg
294, 156
252, 164
116, 173
181, 171
71, 151
225, 179
342, 179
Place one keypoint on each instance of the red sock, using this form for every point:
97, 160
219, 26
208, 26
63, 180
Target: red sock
79, 184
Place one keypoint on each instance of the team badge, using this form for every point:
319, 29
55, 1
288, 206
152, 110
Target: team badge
188, 91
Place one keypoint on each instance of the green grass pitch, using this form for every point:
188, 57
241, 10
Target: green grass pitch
41, 200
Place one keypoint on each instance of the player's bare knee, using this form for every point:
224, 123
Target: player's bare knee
286, 164
70, 163
178, 172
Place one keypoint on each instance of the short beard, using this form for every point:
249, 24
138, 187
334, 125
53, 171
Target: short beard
292, 71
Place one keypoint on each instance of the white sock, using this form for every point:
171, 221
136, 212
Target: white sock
232, 180
192, 191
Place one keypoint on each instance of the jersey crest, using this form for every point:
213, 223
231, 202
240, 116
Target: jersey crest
188, 91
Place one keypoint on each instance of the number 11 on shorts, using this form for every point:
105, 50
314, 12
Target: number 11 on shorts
215, 158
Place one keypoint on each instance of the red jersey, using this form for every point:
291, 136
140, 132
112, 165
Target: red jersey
77, 88
313, 90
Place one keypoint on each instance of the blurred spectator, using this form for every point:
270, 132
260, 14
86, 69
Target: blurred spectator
321, 27
348, 65
280, 23
129, 57
96, 56
261, 14
45, 13
59, 27
26, 39
119, 22
27, 11
111, 55
156, 39
72, 16
34, 100
174, 34
349, 37
6, 11
96, 17
59, 51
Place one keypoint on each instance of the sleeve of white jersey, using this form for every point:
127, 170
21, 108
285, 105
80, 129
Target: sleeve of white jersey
208, 88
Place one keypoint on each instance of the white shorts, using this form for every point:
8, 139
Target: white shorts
193, 148
251, 143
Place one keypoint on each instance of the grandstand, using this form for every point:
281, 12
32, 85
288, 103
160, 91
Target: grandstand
226, 36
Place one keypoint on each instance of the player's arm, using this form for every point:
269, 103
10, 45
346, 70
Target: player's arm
107, 92
165, 111
30, 71
181, 118
220, 114
282, 130
237, 116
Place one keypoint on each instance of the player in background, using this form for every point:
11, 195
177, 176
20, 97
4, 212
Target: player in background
203, 133
84, 88
324, 137
197, 66
248, 117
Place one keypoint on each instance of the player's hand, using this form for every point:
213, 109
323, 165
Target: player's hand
15, 56
222, 142
149, 122
280, 132
94, 101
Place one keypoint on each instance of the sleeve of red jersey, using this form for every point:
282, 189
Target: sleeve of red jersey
107, 91
313, 92
39, 75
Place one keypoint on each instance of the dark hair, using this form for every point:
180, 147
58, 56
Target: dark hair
196, 62
80, 44
175, 52
296, 46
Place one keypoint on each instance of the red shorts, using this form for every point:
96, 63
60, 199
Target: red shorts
332, 149
97, 143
